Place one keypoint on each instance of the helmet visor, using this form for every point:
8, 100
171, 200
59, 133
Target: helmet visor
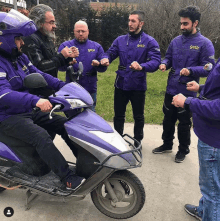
14, 19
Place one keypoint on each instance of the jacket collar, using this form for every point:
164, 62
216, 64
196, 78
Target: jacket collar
191, 35
132, 35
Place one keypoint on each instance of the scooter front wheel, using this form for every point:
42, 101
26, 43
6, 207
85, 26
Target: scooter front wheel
130, 195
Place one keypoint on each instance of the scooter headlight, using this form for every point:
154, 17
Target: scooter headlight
75, 103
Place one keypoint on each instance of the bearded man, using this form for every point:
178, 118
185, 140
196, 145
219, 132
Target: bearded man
138, 53
90, 54
186, 55
40, 48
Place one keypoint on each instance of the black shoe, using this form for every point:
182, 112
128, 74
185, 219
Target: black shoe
162, 149
180, 157
72, 181
192, 210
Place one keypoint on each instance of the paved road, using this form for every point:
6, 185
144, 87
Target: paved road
168, 187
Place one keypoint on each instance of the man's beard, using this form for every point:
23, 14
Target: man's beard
187, 32
133, 32
49, 34
81, 40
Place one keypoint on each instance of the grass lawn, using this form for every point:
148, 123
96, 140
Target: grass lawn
156, 87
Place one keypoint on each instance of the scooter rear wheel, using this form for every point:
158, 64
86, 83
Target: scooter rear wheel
2, 189
129, 191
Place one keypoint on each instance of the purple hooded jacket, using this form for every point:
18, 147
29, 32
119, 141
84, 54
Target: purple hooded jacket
191, 52
141, 48
14, 97
206, 109
88, 51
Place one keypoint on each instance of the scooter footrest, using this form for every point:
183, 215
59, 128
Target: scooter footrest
17, 172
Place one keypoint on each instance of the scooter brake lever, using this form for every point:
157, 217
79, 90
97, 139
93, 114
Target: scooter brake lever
57, 107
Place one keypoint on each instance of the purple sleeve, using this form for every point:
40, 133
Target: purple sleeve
53, 82
204, 108
112, 52
15, 99
154, 56
206, 56
99, 56
168, 57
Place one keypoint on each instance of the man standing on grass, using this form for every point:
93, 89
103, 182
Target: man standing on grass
138, 53
90, 53
186, 56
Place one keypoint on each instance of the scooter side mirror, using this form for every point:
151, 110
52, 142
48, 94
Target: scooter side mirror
35, 80
71, 74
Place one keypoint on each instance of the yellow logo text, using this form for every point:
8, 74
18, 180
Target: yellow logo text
91, 50
194, 47
140, 46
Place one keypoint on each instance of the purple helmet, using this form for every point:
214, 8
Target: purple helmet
14, 24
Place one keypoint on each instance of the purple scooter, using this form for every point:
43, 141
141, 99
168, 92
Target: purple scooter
104, 157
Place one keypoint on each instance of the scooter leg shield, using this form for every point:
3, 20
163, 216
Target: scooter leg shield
85, 166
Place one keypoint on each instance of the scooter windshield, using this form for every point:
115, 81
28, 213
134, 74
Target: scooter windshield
75, 91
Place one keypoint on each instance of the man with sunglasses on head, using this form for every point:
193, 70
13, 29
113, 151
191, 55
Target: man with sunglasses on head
40, 48
186, 56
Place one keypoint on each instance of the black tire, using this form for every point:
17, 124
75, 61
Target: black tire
2, 189
123, 183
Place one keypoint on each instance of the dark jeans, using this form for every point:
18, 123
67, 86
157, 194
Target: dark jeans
137, 99
32, 129
171, 115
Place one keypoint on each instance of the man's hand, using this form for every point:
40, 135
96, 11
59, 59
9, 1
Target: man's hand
95, 63
185, 72
105, 62
75, 51
179, 100
74, 61
192, 86
162, 67
70, 52
44, 105
208, 67
135, 66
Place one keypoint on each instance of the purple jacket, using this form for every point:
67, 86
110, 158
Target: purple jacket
206, 109
141, 48
88, 51
14, 97
191, 52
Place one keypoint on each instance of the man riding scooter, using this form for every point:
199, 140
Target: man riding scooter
17, 118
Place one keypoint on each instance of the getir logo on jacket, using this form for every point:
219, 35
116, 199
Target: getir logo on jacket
140, 45
194, 47
91, 50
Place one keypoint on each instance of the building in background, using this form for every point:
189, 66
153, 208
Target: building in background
10, 4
